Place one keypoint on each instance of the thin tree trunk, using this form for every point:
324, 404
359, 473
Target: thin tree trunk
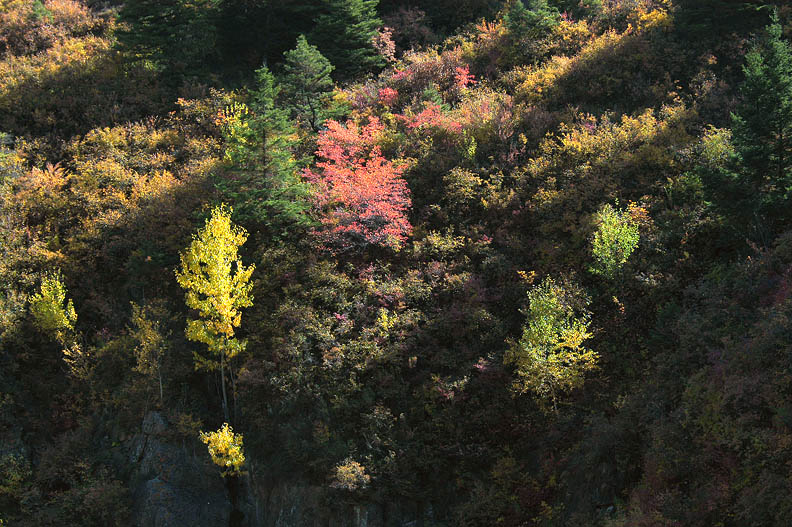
233, 390
159, 376
222, 383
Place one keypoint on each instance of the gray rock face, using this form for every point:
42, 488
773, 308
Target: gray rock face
172, 487
162, 504
296, 504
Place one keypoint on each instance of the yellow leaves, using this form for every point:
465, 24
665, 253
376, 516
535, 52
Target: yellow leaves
226, 449
217, 285
537, 82
550, 357
716, 147
69, 54
78, 360
350, 475
55, 315
386, 321
234, 121
150, 337
614, 240
570, 36
647, 18
51, 311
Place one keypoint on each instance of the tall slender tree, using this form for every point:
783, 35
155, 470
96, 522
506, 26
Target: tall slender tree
218, 287
762, 124
753, 192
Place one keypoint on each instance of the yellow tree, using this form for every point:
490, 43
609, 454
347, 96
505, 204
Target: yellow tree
54, 315
226, 449
217, 286
550, 357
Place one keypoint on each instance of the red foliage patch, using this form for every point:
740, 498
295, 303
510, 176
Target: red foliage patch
362, 196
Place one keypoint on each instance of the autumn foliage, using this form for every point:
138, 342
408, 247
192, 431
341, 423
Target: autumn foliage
361, 197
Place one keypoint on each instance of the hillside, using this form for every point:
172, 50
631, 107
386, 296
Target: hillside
377, 263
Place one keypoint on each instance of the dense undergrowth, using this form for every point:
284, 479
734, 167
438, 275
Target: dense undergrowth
531, 271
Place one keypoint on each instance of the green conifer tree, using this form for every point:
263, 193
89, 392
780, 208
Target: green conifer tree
307, 84
752, 193
762, 124
344, 31
703, 21
534, 21
266, 190
175, 36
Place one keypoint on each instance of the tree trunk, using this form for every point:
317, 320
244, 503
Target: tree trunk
222, 383
159, 377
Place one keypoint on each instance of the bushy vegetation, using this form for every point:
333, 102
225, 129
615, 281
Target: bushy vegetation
484, 263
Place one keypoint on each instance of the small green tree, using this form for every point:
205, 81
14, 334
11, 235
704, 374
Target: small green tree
550, 357
614, 240
52, 312
307, 84
152, 341
226, 449
266, 189
218, 287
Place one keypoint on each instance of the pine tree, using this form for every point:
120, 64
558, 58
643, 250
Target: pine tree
702, 21
345, 32
307, 83
534, 21
755, 191
264, 185
176, 36
762, 125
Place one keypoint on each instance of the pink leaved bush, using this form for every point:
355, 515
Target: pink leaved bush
388, 96
463, 78
361, 197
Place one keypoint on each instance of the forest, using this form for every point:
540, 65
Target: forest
383, 263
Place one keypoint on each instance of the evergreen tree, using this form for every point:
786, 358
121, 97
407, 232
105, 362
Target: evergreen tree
753, 191
344, 31
307, 83
702, 21
176, 36
762, 125
534, 21
265, 188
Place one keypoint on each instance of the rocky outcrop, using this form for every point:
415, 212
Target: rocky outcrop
297, 504
171, 486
